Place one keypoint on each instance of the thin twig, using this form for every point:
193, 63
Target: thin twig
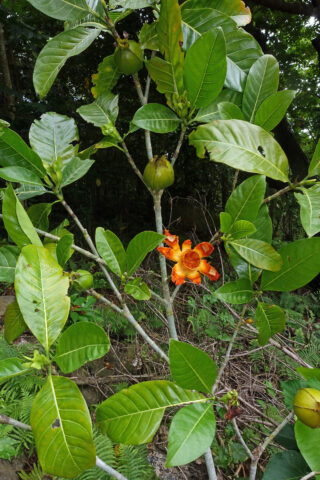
278, 194
134, 166
143, 101
210, 465
310, 475
243, 443
178, 147
106, 468
15, 423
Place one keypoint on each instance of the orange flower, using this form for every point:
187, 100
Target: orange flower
190, 262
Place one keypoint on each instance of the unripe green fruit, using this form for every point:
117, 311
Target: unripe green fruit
158, 174
306, 405
128, 57
83, 279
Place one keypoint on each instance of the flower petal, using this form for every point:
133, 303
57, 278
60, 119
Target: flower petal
186, 245
195, 277
209, 270
204, 249
171, 240
177, 275
170, 253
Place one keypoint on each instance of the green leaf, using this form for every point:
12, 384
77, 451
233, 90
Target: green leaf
62, 9
270, 319
102, 112
20, 175
148, 37
109, 142
205, 68
79, 344
190, 434
301, 263
212, 112
39, 214
229, 111
14, 325
26, 225
8, 448
308, 440
243, 268
286, 465
190, 367
41, 290
139, 247
314, 167
106, 77
262, 81
309, 202
241, 229
161, 73
242, 51
8, 260
263, 225
134, 4
52, 136
24, 192
11, 367
138, 289
235, 9
156, 118
286, 438
245, 200
111, 250
225, 222
56, 52
242, 146
133, 415
170, 38
235, 292
273, 109
64, 250
258, 253
74, 170
14, 152
62, 429
312, 375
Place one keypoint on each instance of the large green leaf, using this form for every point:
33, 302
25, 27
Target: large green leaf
139, 247
133, 4
212, 111
242, 51
138, 289
8, 260
41, 290
242, 146
133, 415
14, 325
56, 52
20, 175
286, 465
262, 81
308, 440
228, 111
270, 319
161, 73
191, 367
64, 250
241, 229
52, 136
301, 263
106, 77
111, 250
258, 253
235, 9
190, 434
156, 118
244, 269
205, 68
309, 202
148, 36
102, 112
39, 215
14, 152
273, 109
170, 40
235, 292
263, 224
24, 192
74, 170
79, 344
314, 167
62, 429
62, 9
11, 367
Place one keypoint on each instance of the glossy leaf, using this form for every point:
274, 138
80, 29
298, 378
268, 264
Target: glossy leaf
241, 229
262, 81
79, 344
244, 269
235, 9
56, 52
212, 111
263, 224
133, 415
8, 260
228, 111
139, 247
301, 263
134, 4
190, 434
91, 19
138, 289
161, 73
273, 109
106, 77
242, 146
205, 68
190, 367
286, 465
148, 36
314, 167
237, 293
26, 225
39, 214
62, 9
14, 325
111, 250
245, 200
102, 112
41, 290
308, 440
20, 175
24, 192
64, 250
309, 202
11, 367
52, 136
270, 319
74, 170
156, 118
258, 253
225, 221
62, 429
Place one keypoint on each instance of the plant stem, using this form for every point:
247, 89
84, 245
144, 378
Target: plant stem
103, 466
134, 166
143, 101
310, 475
163, 268
243, 443
210, 465
11, 421
179, 145
278, 194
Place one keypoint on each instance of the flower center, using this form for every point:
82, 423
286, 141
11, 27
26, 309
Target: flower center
191, 260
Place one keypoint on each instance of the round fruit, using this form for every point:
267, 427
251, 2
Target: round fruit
128, 57
159, 173
83, 279
306, 405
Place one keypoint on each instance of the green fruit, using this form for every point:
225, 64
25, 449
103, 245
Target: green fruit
83, 279
159, 173
128, 57
306, 405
